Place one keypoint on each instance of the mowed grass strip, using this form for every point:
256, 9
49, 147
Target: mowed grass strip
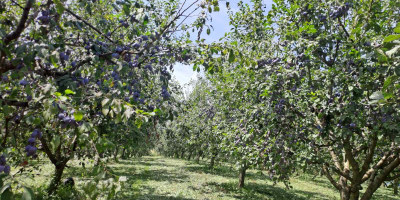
157, 177
169, 178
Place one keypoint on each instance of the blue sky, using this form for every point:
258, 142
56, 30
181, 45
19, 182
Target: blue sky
220, 23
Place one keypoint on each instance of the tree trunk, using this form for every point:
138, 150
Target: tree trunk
116, 154
198, 157
396, 186
213, 156
182, 154
242, 174
56, 179
212, 162
123, 153
345, 191
190, 155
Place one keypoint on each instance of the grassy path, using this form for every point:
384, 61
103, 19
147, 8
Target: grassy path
166, 178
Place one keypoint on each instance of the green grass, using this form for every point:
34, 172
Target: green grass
157, 177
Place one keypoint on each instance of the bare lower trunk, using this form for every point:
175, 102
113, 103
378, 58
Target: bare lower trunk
213, 156
396, 186
242, 174
212, 162
198, 156
190, 155
116, 154
56, 179
123, 153
182, 154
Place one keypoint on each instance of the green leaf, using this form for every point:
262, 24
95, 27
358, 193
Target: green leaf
393, 51
376, 95
397, 70
6, 193
145, 20
138, 122
55, 142
231, 56
78, 115
391, 38
387, 82
105, 111
7, 110
85, 127
28, 194
126, 9
397, 29
62, 106
89, 9
59, 6
68, 91
115, 7
104, 102
54, 60
388, 95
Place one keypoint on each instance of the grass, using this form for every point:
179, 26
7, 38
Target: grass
157, 177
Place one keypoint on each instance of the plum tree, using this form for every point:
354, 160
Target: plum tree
328, 99
57, 57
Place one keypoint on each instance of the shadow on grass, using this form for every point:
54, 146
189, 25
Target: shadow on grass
166, 197
158, 175
220, 171
260, 191
147, 162
141, 191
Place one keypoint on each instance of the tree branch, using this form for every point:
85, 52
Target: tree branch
378, 165
392, 177
60, 74
328, 175
14, 102
48, 151
380, 178
21, 25
345, 31
369, 155
90, 25
349, 156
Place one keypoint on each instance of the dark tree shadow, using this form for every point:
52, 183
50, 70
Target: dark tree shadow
257, 191
220, 171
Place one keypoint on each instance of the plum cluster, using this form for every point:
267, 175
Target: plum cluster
279, 106
23, 82
149, 67
264, 62
164, 72
80, 81
31, 149
164, 92
322, 18
124, 23
136, 97
3, 165
44, 18
65, 56
341, 11
4, 79
67, 119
